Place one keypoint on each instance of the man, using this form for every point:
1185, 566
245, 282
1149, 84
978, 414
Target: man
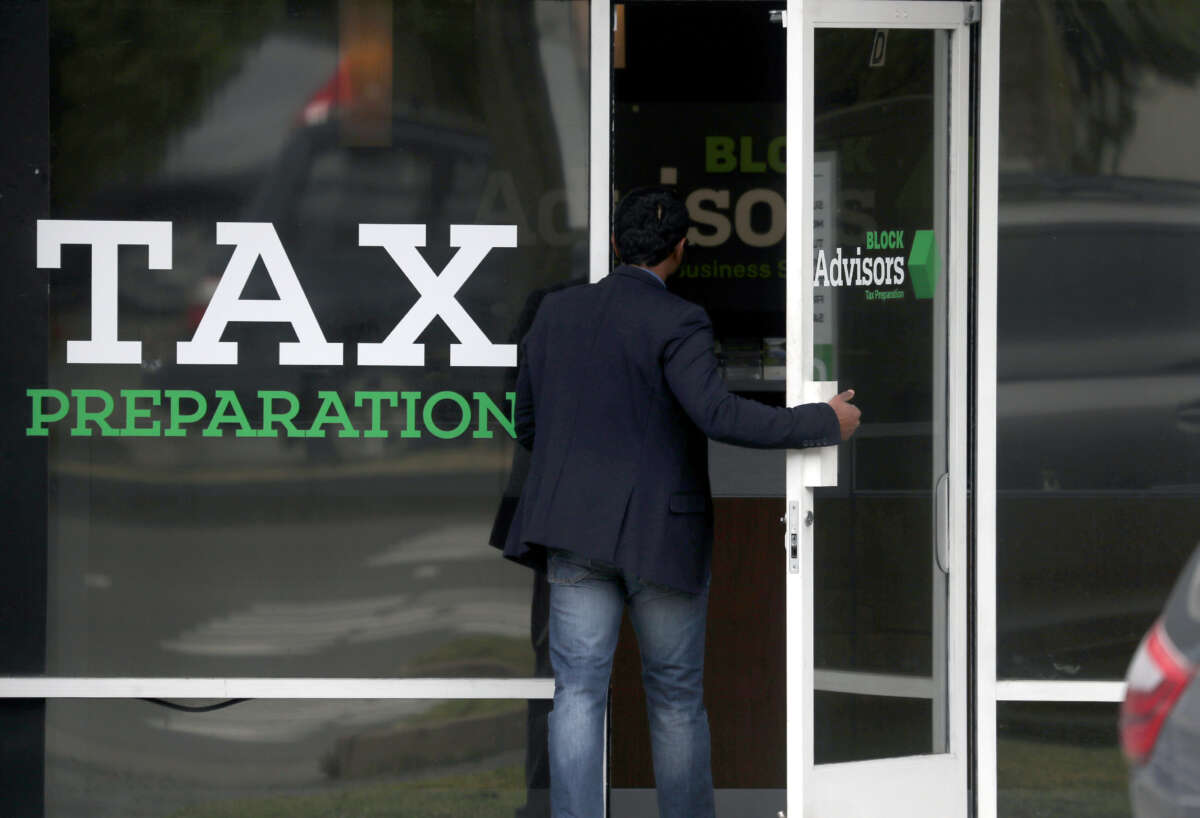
617, 391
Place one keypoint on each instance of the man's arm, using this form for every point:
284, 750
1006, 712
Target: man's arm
694, 377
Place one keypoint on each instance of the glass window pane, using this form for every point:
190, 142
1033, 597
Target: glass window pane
880, 196
1098, 454
298, 495
853, 727
419, 759
1060, 759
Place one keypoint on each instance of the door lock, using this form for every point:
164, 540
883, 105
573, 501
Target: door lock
793, 546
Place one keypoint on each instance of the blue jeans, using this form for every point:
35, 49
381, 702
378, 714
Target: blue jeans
586, 601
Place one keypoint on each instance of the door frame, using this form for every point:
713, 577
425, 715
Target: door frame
834, 789
983, 306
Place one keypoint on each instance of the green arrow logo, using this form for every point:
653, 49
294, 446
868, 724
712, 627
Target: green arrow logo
924, 264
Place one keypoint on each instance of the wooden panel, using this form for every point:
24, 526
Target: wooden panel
744, 664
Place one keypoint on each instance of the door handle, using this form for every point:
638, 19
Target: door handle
941, 523
820, 463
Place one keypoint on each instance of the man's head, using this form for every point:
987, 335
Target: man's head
649, 227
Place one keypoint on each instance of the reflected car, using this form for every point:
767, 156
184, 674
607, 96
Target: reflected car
316, 194
1160, 717
1098, 415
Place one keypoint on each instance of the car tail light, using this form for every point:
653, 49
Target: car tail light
1157, 678
202, 293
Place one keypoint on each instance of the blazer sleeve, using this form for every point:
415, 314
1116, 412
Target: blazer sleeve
525, 425
523, 410
691, 370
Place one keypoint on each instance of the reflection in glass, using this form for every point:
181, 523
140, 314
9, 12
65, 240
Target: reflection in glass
1060, 759
419, 759
851, 727
1098, 457
880, 238
311, 519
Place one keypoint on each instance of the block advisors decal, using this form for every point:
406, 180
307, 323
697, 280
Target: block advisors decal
924, 264
885, 268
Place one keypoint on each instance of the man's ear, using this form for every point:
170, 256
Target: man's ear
612, 237
678, 251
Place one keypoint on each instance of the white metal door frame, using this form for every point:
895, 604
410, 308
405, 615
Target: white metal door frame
907, 786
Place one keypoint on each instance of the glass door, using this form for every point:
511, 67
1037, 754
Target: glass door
876, 534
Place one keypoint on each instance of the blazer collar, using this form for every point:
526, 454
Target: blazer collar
636, 273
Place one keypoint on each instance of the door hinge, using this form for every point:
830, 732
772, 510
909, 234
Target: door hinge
778, 16
971, 13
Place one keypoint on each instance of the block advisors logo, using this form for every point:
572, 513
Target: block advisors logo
885, 268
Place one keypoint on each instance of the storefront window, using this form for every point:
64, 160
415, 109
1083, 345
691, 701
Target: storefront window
1098, 451
420, 759
1060, 759
290, 250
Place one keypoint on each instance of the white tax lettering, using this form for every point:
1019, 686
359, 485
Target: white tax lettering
104, 237
437, 293
253, 240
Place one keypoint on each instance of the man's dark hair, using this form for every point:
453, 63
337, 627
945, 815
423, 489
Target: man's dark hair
648, 223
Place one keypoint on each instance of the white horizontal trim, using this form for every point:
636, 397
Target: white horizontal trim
1101, 216
1036, 690
35, 687
886, 14
873, 684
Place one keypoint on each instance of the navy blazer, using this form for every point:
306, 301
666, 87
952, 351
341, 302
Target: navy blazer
617, 390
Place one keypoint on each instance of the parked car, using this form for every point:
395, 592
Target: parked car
1160, 717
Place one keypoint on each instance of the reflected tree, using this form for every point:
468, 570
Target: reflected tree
1088, 61
127, 75
517, 111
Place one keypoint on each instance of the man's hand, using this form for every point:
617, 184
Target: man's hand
847, 414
